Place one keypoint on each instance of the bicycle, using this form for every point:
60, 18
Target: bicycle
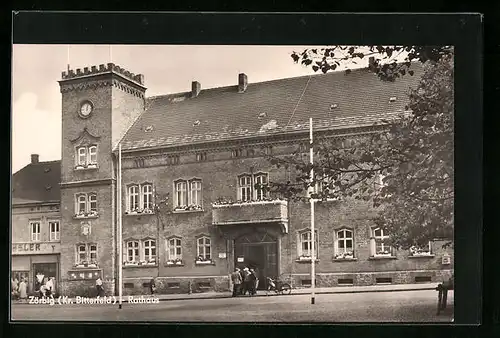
279, 287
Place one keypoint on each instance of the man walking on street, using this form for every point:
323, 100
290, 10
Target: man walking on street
236, 279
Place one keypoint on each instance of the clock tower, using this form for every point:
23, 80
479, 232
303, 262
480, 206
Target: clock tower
99, 104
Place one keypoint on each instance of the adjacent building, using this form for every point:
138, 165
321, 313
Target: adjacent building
190, 164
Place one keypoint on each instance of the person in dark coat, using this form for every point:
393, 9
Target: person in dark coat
152, 286
245, 284
252, 282
236, 279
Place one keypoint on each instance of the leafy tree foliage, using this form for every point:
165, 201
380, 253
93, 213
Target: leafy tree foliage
406, 168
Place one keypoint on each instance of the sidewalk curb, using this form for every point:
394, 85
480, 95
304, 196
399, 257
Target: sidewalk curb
302, 293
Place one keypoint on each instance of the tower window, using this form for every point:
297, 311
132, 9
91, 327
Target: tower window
86, 157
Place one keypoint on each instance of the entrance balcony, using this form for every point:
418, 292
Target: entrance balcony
253, 212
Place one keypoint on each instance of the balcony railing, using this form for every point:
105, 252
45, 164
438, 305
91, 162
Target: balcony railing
274, 211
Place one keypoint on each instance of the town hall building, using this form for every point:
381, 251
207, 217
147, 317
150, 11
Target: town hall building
191, 162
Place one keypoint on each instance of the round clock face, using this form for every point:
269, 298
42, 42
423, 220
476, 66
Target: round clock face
85, 109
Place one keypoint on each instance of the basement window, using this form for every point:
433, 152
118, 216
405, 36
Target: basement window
307, 282
173, 285
423, 279
146, 285
346, 281
204, 285
383, 280
128, 285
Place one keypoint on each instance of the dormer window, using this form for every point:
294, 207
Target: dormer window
86, 157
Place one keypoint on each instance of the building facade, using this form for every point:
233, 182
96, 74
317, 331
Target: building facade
191, 211
36, 223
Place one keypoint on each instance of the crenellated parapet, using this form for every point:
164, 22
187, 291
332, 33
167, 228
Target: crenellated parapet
108, 68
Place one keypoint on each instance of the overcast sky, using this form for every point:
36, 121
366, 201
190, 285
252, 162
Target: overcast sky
36, 112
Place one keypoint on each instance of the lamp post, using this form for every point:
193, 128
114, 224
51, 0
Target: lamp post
120, 245
311, 200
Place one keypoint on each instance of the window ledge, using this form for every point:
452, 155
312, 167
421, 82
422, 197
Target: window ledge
128, 213
382, 257
201, 263
421, 256
298, 260
130, 266
81, 168
82, 267
344, 259
173, 265
186, 211
85, 217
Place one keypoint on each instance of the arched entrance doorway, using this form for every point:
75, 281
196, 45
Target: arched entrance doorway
257, 250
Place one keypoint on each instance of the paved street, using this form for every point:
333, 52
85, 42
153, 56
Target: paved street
405, 306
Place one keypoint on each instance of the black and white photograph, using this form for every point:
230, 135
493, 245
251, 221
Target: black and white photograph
232, 183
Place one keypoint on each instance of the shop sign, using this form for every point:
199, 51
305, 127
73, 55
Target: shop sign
241, 259
39, 248
222, 255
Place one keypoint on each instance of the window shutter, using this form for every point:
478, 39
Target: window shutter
372, 246
335, 243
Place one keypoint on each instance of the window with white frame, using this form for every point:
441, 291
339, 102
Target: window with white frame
150, 250
54, 231
204, 246
92, 158
174, 249
344, 244
245, 188
195, 192
86, 155
147, 196
417, 251
261, 181
86, 253
140, 198
35, 231
188, 193
133, 251
86, 204
379, 246
305, 244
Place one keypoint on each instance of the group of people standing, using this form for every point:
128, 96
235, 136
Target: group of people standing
19, 289
244, 281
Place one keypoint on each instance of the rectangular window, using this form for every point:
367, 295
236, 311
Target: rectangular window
93, 202
93, 155
93, 252
245, 188
181, 194
82, 156
86, 253
150, 250
204, 248
54, 230
147, 197
82, 204
174, 249
195, 193
133, 195
133, 251
305, 248
200, 157
261, 189
81, 253
35, 231
344, 244
381, 248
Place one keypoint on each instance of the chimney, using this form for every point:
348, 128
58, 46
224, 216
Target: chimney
242, 82
34, 158
195, 88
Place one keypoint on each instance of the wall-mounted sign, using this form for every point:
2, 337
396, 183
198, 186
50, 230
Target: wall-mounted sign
36, 248
446, 259
241, 259
222, 255
84, 274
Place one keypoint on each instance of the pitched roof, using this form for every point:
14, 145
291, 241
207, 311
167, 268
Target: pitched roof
333, 100
37, 183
